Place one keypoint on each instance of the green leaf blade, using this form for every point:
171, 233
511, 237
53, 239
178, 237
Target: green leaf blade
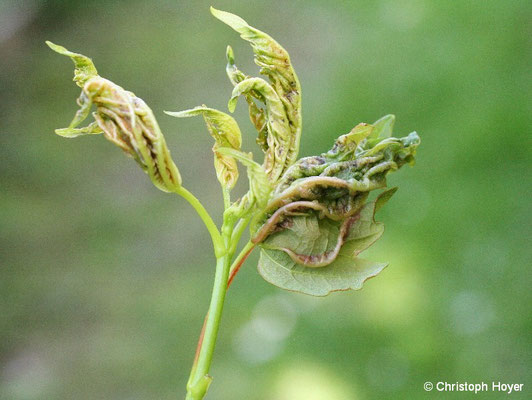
383, 127
282, 260
345, 273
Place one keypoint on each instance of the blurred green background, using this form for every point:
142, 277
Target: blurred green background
104, 280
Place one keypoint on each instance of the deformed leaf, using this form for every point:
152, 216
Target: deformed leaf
309, 240
278, 138
226, 133
275, 64
318, 218
313, 237
257, 114
316, 256
124, 119
359, 162
84, 67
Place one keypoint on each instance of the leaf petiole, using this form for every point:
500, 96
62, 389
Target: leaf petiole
216, 237
239, 261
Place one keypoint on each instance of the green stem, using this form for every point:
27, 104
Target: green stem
227, 197
217, 241
200, 380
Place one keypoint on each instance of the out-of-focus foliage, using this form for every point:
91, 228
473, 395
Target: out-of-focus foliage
91, 308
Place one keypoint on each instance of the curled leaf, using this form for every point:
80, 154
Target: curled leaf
292, 259
277, 140
84, 67
124, 120
318, 215
226, 133
257, 114
276, 65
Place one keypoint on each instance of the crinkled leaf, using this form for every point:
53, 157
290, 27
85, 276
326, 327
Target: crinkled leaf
312, 237
84, 67
257, 114
275, 64
308, 239
226, 133
345, 146
347, 272
318, 221
277, 139
124, 119
298, 258
361, 165
337, 183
